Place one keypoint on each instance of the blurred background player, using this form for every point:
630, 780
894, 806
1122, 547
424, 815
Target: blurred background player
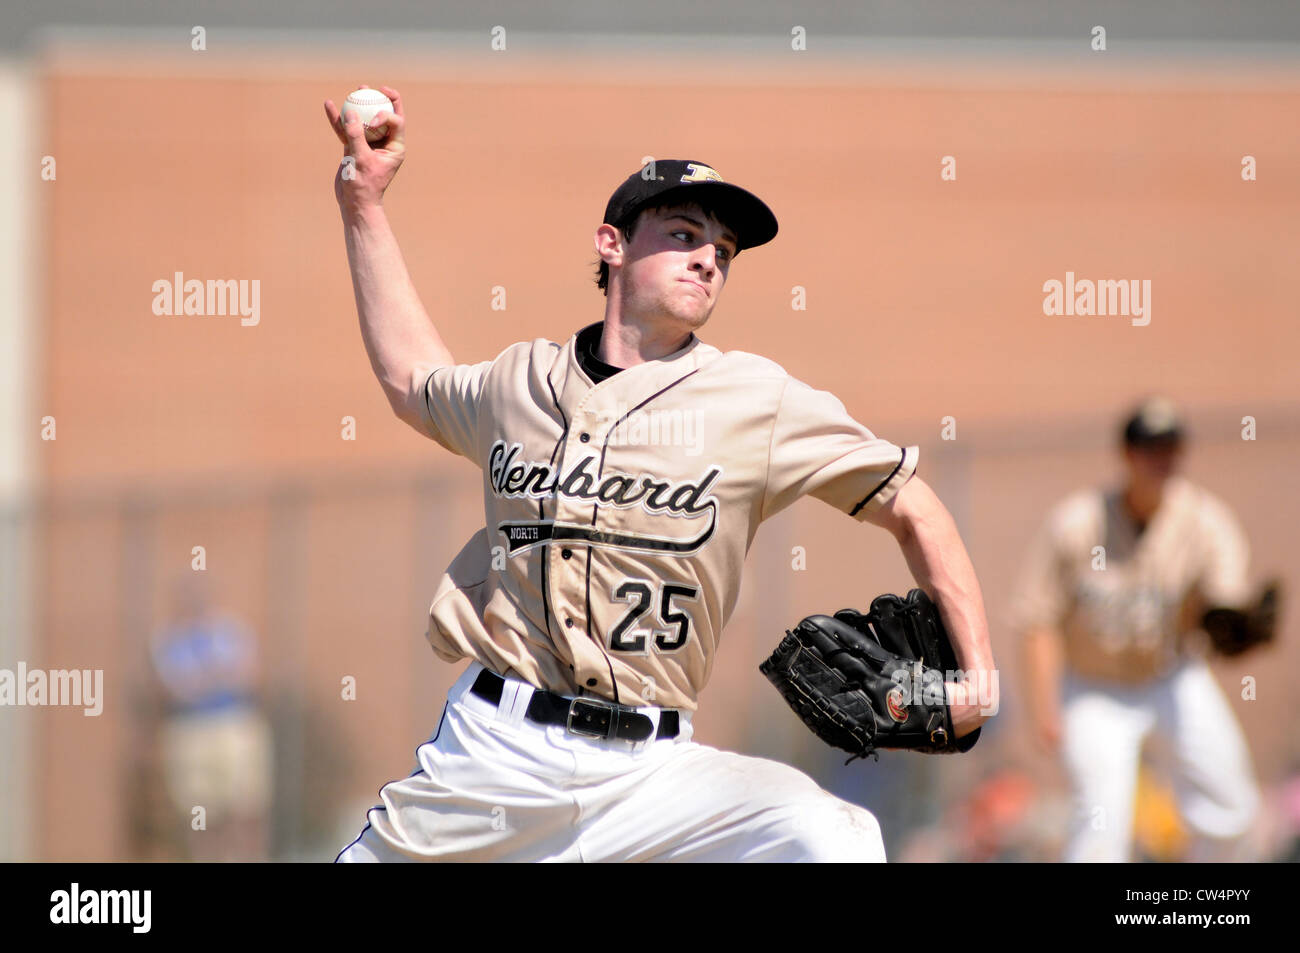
1108, 607
216, 742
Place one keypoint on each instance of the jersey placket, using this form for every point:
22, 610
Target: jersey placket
569, 564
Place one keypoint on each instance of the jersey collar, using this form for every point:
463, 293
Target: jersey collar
631, 386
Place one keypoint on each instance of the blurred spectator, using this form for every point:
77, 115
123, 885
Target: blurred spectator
1006, 818
994, 818
216, 743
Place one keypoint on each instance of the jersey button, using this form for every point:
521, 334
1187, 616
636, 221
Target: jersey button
566, 553
584, 437
591, 683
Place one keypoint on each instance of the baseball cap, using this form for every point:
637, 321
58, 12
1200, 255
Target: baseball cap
1155, 420
690, 181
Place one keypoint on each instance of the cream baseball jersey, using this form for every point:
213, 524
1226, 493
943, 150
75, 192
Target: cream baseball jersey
1123, 599
618, 514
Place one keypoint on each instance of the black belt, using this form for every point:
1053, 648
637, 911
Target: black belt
593, 717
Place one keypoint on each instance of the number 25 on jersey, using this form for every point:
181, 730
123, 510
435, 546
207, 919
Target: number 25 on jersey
674, 626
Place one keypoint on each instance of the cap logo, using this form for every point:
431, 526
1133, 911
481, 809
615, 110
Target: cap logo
700, 173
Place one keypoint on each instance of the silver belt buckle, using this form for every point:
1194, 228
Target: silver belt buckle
594, 703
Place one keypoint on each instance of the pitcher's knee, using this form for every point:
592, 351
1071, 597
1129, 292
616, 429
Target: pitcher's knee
834, 831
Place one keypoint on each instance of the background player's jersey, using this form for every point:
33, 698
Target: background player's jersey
618, 515
1126, 622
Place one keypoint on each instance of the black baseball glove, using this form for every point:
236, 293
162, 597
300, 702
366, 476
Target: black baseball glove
863, 682
1234, 631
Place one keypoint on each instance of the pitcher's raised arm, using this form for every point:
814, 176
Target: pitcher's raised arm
401, 341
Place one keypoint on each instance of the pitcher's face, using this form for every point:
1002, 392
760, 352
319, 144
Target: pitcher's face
675, 266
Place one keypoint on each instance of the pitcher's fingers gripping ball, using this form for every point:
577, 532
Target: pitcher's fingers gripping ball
367, 168
367, 105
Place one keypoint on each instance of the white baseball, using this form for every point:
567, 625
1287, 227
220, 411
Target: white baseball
368, 103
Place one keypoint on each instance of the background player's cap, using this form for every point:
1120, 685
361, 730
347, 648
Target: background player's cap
743, 212
1154, 421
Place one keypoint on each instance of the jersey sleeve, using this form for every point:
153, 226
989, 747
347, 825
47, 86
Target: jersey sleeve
1040, 595
818, 450
450, 399
1226, 556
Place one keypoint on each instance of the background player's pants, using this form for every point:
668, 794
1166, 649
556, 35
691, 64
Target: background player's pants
492, 786
1104, 726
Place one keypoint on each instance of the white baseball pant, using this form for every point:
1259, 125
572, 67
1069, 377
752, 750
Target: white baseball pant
1103, 729
493, 786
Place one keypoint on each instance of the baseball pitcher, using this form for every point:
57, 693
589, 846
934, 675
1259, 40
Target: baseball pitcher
591, 605
1117, 589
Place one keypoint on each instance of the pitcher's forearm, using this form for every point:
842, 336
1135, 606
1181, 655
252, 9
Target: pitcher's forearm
935, 554
939, 562
397, 332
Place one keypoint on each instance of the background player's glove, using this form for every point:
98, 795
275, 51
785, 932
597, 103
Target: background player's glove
1233, 631
863, 682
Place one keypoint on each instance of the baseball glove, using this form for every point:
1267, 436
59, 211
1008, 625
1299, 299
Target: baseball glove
1234, 631
874, 680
